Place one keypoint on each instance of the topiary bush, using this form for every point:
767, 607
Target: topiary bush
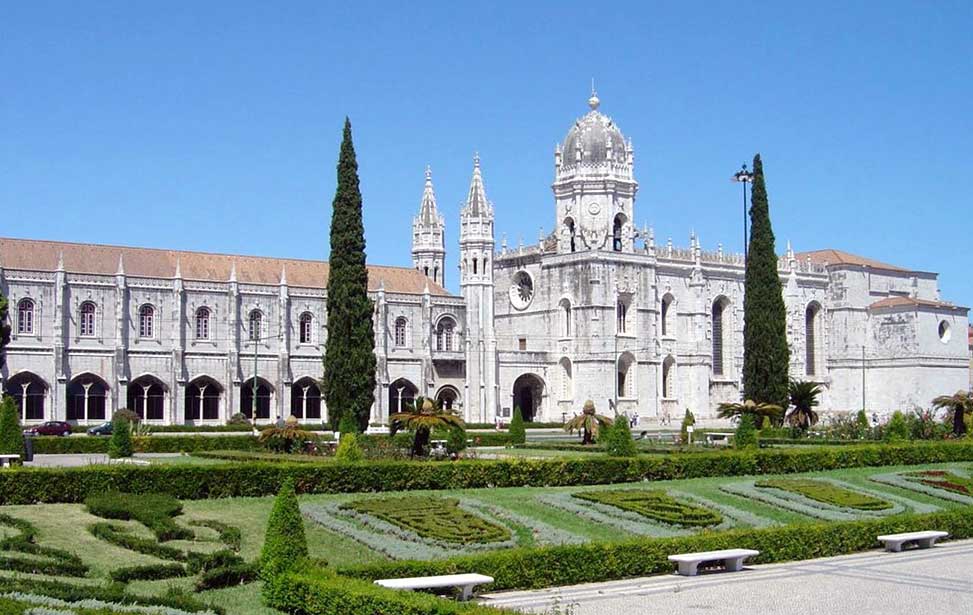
897, 429
687, 421
618, 441
456, 440
517, 431
11, 435
349, 450
120, 444
746, 433
284, 543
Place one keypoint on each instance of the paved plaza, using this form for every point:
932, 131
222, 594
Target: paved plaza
938, 580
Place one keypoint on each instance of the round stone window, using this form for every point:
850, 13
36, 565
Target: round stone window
521, 290
944, 332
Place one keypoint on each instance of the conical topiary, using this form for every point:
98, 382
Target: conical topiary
120, 444
11, 436
284, 543
517, 431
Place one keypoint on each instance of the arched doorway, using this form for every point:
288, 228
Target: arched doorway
402, 395
528, 392
203, 399
264, 394
147, 398
29, 392
87, 398
448, 398
306, 399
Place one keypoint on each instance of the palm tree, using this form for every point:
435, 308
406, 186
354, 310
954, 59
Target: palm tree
423, 417
588, 423
959, 404
804, 397
728, 410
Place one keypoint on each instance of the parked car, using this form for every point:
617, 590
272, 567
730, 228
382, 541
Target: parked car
100, 430
50, 428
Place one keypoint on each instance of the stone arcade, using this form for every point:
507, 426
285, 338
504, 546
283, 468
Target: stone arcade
596, 310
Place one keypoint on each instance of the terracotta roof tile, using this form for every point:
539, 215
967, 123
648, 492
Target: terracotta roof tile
837, 257
892, 302
41, 255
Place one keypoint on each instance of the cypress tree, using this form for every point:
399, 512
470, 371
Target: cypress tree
766, 356
11, 437
349, 356
516, 430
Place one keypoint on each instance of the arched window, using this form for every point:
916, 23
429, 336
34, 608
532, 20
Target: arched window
719, 308
87, 398
86, 322
425, 271
146, 321
668, 373
435, 275
307, 328
264, 392
402, 395
567, 384
306, 399
400, 327
667, 328
25, 317
565, 313
202, 323
444, 334
253, 332
625, 383
617, 234
29, 393
447, 398
569, 223
147, 398
474, 266
203, 399
811, 338
621, 316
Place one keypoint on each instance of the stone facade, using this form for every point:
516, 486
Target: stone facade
595, 310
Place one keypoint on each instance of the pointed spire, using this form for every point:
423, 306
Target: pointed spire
233, 272
60, 261
427, 208
476, 201
121, 265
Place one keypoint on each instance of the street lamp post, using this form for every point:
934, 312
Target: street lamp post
743, 176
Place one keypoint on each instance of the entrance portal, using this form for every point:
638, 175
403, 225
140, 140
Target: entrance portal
528, 395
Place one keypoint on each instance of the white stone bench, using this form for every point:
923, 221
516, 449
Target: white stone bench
7, 460
465, 582
718, 438
894, 542
732, 560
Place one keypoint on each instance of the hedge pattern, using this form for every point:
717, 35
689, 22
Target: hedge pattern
941, 479
657, 505
187, 482
535, 568
54, 445
433, 518
40, 560
826, 492
112, 594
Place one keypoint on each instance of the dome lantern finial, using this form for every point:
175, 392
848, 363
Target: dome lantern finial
594, 101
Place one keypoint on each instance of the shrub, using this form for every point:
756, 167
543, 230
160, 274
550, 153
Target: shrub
286, 439
541, 567
348, 424
202, 562
284, 543
456, 441
349, 451
120, 444
432, 518
124, 413
11, 436
687, 421
230, 536
516, 430
121, 537
53, 445
657, 505
746, 432
896, 430
227, 576
153, 510
240, 419
828, 493
618, 441
149, 572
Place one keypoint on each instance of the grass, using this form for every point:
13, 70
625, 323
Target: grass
64, 526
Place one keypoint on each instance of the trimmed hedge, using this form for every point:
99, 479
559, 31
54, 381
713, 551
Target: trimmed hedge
153, 510
108, 593
149, 572
812, 442
320, 592
432, 518
120, 537
44, 560
188, 482
54, 445
534, 568
230, 575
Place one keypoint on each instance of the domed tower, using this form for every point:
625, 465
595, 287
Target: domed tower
429, 236
594, 187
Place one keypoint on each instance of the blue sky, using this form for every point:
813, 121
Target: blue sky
215, 126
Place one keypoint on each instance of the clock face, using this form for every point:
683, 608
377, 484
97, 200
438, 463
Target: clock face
594, 209
521, 290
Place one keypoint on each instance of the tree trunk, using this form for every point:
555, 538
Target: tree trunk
587, 439
959, 425
420, 442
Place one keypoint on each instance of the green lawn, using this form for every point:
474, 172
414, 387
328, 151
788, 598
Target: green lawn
534, 515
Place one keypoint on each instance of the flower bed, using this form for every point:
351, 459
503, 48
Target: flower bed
827, 493
942, 479
432, 518
903, 481
657, 505
796, 502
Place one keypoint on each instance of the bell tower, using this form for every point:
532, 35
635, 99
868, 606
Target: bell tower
429, 236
